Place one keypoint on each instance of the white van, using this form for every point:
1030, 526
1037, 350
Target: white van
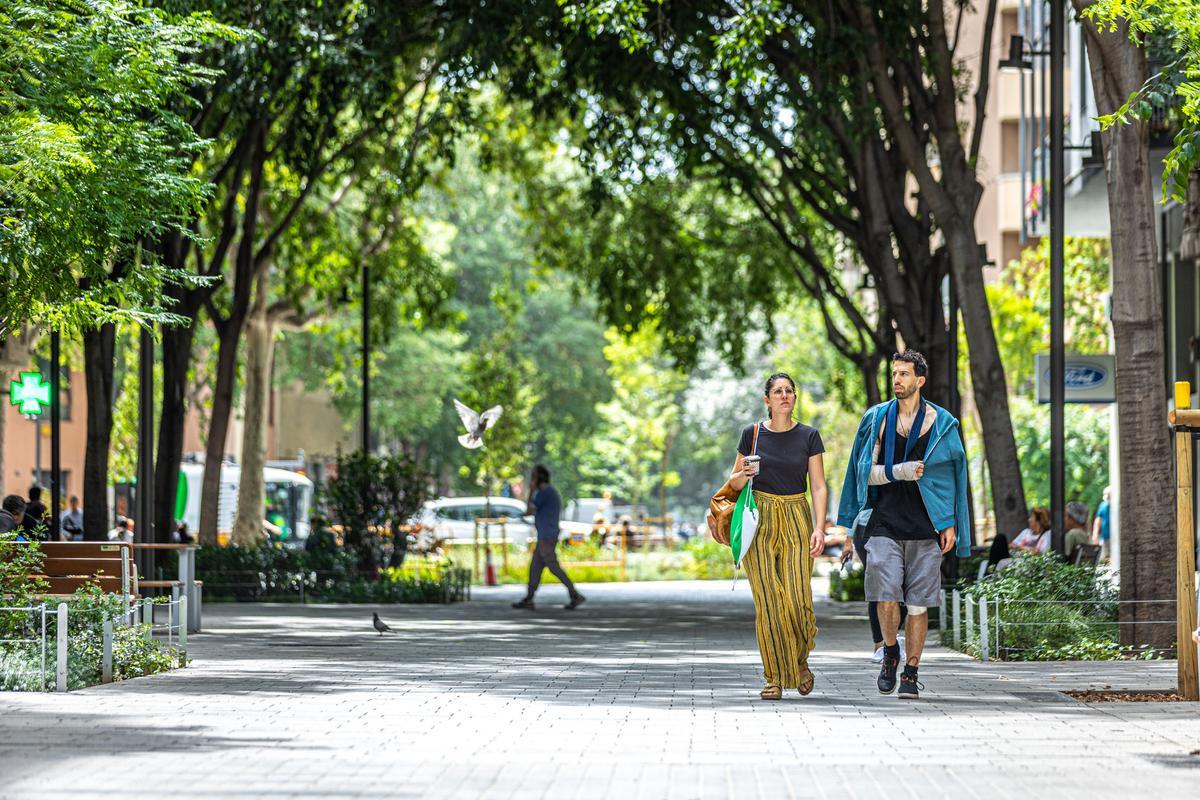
452, 519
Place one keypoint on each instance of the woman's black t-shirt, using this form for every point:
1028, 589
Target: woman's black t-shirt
784, 465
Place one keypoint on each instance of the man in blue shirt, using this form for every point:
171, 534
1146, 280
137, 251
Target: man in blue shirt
546, 506
1100, 528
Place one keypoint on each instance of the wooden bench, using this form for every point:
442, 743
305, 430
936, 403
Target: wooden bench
70, 566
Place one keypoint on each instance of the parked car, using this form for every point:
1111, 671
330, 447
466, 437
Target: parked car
452, 519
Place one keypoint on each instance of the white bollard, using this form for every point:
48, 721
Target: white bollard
106, 660
183, 626
62, 647
970, 630
956, 620
148, 616
985, 641
942, 610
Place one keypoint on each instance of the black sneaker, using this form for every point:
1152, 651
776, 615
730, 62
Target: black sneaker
887, 675
526, 604
909, 685
576, 602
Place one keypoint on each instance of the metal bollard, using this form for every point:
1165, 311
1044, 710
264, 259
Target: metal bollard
970, 630
956, 619
106, 660
148, 616
985, 641
62, 647
183, 625
942, 611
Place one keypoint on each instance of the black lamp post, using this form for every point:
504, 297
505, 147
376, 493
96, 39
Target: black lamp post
1018, 60
366, 359
55, 432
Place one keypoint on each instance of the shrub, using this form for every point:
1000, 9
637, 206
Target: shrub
323, 572
1046, 610
845, 587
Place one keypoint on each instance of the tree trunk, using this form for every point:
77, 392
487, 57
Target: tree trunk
989, 385
229, 333
99, 347
176, 358
252, 492
1118, 69
218, 429
1189, 245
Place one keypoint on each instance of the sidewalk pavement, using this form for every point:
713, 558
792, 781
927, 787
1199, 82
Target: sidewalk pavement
648, 691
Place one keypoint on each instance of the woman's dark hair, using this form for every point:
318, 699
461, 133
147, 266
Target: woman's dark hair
541, 475
919, 365
1042, 515
778, 376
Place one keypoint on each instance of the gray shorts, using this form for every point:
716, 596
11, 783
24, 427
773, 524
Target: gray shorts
907, 572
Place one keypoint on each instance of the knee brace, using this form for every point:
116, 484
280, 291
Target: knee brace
917, 610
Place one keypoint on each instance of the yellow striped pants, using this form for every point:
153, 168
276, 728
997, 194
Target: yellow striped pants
779, 568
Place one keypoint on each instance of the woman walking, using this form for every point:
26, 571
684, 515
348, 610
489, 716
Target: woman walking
780, 560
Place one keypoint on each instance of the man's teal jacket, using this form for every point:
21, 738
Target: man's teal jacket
943, 485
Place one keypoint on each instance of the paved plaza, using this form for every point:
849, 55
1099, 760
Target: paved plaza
647, 691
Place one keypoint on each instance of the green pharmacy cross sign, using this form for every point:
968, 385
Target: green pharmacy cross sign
30, 393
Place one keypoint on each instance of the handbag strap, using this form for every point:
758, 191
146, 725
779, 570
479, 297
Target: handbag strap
754, 449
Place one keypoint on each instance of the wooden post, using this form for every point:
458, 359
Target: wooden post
1185, 556
475, 575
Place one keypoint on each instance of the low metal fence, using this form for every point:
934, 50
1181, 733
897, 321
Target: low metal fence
174, 629
996, 628
38, 613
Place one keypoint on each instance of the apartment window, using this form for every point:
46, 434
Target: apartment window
1010, 146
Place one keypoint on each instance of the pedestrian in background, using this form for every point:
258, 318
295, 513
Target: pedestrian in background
1076, 522
779, 563
36, 523
1100, 526
122, 532
71, 522
12, 512
545, 505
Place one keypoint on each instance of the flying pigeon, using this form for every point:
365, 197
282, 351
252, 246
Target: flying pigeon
380, 625
476, 424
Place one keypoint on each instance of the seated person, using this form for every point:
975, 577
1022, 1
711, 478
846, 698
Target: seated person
1077, 534
121, 533
1035, 538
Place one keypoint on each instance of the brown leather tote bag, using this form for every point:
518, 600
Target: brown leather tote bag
720, 507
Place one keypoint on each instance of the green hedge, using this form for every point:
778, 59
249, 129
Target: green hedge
322, 572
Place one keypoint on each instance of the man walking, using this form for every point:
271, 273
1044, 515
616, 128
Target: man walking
908, 472
546, 506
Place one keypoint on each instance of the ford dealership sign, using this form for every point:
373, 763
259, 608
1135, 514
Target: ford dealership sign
1088, 379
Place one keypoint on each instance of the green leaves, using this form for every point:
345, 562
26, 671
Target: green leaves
1172, 26
94, 156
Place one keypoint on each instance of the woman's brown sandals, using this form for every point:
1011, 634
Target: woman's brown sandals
806, 686
771, 692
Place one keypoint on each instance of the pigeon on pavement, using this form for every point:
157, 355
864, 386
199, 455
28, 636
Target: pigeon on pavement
380, 625
476, 424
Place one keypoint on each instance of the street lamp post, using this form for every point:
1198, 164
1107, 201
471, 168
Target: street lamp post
366, 359
55, 432
1058, 180
1017, 60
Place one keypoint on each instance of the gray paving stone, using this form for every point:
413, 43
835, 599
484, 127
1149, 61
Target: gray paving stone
649, 691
